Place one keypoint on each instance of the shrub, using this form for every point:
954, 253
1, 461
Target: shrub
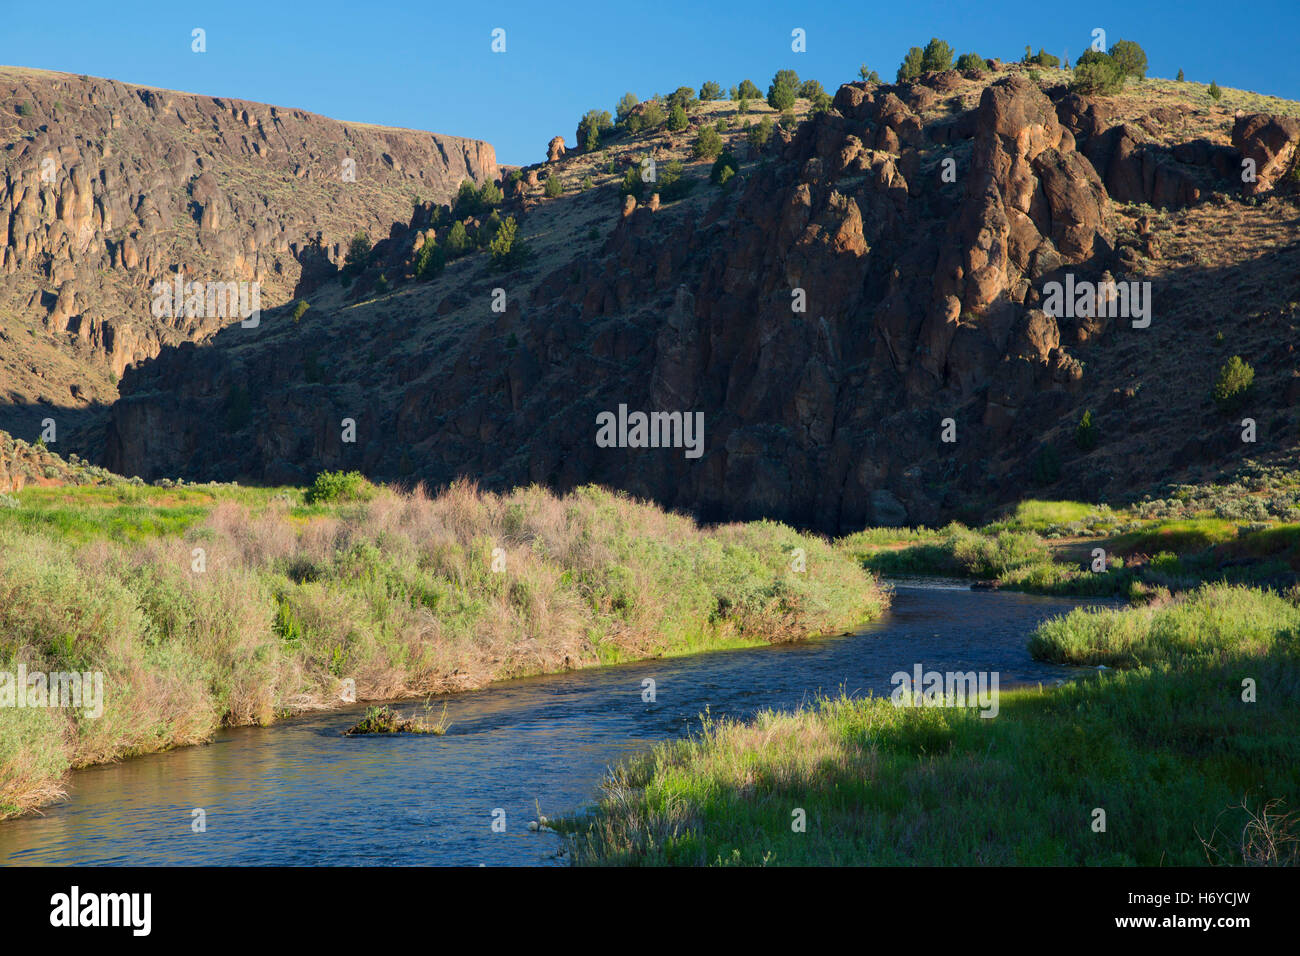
300, 309
339, 486
431, 260
781, 96
586, 183
1179, 78
589, 129
1215, 93
625, 106
724, 169
972, 63
821, 103
1096, 75
507, 249
23, 109
1130, 58
868, 76
709, 143
490, 195
759, 135
911, 68
553, 186
381, 284
652, 115
683, 96
466, 203
1042, 58
671, 185
749, 90
632, 183
1085, 433
1234, 382
710, 91
458, 241
677, 120
936, 57
358, 256
811, 89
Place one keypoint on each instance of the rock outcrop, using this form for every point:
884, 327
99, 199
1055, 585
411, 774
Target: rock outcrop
860, 319
106, 188
1271, 143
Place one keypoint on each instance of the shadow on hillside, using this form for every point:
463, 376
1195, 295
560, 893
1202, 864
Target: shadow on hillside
264, 419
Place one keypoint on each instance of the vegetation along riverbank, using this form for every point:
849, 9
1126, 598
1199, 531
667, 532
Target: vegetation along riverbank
1184, 751
205, 606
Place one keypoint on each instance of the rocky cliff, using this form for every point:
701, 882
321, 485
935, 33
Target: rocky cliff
106, 188
860, 318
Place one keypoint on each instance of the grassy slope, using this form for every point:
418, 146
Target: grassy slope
397, 592
1185, 770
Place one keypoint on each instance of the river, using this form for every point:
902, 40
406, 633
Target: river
301, 794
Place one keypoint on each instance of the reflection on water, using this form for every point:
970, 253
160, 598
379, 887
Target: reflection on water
302, 794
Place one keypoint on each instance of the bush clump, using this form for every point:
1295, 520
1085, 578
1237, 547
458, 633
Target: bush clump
783, 90
1096, 74
724, 169
709, 144
338, 486
358, 255
590, 127
1130, 58
1233, 383
506, 248
1086, 432
431, 260
759, 134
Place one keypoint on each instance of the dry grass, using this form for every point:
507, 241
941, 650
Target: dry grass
405, 595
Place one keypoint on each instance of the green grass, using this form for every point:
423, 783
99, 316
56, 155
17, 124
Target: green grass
1215, 621
206, 606
1184, 768
1040, 516
1202, 533
1178, 537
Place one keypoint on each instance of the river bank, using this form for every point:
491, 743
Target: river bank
301, 793
211, 606
1185, 752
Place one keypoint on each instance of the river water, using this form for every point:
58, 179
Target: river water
300, 794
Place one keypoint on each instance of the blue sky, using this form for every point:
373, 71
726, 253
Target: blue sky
430, 65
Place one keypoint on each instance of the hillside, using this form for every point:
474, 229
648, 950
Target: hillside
107, 188
924, 302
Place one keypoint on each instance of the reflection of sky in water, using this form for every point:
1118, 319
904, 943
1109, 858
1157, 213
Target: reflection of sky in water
301, 794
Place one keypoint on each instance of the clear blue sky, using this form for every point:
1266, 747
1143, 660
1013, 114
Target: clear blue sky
430, 66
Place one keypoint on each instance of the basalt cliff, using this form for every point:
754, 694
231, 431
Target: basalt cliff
107, 188
859, 313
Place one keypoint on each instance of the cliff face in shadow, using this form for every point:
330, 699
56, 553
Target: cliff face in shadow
871, 284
